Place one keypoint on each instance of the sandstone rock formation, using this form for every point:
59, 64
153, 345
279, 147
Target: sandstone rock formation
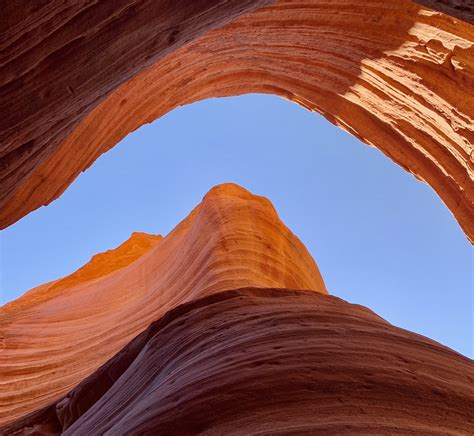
236, 335
236, 331
59, 333
75, 79
270, 361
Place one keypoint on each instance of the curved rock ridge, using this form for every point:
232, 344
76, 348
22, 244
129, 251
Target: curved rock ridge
269, 361
99, 266
59, 333
396, 74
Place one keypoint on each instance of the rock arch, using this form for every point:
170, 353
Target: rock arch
75, 80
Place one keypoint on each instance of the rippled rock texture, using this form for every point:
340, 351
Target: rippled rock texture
270, 361
236, 331
76, 78
59, 333
236, 335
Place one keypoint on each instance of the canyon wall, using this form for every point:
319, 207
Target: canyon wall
75, 80
270, 361
58, 333
224, 326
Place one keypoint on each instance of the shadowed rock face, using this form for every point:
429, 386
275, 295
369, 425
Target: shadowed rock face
269, 361
462, 9
75, 79
59, 333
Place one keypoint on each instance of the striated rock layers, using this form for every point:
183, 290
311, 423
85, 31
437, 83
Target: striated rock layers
221, 347
76, 78
270, 361
59, 333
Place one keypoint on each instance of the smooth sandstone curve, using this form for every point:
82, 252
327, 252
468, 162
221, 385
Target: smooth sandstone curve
57, 334
269, 361
396, 74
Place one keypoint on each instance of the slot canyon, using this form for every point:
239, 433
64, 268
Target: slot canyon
225, 325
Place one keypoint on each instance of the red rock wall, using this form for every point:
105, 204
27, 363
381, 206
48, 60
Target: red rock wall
77, 77
269, 361
75, 80
236, 335
58, 333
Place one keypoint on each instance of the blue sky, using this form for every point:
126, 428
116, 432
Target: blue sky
380, 237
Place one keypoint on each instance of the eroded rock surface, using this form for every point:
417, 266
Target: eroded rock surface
59, 333
236, 332
224, 326
74, 80
270, 361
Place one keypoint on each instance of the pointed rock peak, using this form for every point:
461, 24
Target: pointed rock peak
233, 190
218, 197
229, 189
141, 239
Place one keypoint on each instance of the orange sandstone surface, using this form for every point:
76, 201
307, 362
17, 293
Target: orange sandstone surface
59, 333
225, 326
222, 327
77, 78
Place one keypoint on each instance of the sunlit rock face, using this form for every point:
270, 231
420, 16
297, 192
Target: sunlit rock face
59, 333
224, 326
396, 74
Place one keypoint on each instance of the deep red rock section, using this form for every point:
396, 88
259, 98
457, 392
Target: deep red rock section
270, 361
75, 79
